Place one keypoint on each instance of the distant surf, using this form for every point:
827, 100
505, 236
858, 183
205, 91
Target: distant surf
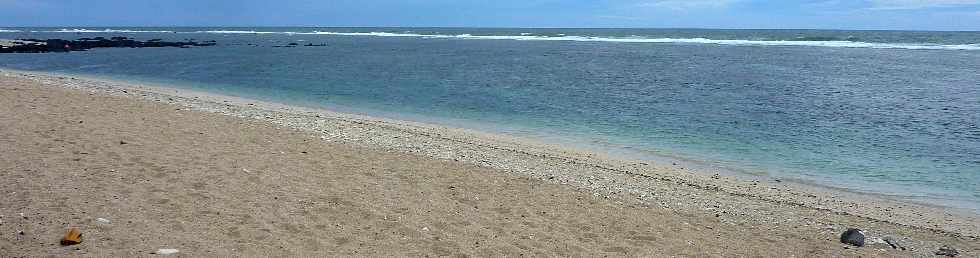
834, 43
101, 31
525, 36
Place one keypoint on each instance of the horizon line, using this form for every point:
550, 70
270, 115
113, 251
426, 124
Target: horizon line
473, 27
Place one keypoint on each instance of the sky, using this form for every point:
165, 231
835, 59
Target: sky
776, 14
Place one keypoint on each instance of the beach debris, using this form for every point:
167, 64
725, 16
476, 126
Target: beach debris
166, 251
103, 221
20, 232
947, 251
122, 142
893, 242
853, 237
72, 237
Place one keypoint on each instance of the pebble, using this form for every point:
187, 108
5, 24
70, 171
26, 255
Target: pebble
947, 251
103, 221
166, 251
853, 237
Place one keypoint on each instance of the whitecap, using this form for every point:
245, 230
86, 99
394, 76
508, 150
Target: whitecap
102, 31
737, 42
244, 32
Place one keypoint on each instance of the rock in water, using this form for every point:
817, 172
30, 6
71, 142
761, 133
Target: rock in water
853, 237
72, 237
947, 251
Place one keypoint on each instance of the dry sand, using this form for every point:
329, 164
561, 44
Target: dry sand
219, 176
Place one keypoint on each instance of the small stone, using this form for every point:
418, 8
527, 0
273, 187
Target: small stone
853, 237
103, 221
166, 251
947, 251
122, 142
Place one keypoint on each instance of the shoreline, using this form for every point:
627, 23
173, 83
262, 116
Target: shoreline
571, 146
312, 119
656, 186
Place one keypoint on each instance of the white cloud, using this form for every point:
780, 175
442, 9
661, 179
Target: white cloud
688, 4
918, 4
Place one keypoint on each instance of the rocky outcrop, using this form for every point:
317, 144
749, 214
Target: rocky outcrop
82, 44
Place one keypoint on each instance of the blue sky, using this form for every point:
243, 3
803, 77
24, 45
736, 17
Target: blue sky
820, 14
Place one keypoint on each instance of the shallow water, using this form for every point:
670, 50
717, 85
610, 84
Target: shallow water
885, 112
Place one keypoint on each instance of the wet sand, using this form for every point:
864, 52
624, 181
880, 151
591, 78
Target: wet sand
213, 175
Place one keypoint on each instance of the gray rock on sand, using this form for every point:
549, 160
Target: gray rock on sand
853, 237
948, 251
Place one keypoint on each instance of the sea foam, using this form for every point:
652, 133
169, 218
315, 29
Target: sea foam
102, 31
242, 32
840, 43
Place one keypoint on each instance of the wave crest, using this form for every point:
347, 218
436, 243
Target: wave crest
103, 31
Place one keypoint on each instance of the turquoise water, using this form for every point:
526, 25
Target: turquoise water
887, 112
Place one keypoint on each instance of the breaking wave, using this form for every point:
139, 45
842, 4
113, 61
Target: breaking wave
242, 32
103, 31
811, 43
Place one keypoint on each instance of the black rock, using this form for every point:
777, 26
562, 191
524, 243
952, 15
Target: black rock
947, 251
82, 44
853, 237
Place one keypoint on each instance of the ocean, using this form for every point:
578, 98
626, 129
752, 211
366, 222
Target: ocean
893, 113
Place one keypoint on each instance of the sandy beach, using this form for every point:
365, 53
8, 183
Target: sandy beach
139, 168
